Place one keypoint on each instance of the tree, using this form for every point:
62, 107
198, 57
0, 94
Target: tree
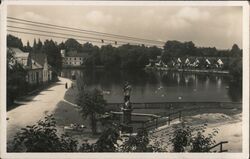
107, 142
109, 57
72, 44
138, 143
34, 48
39, 45
13, 41
91, 103
16, 78
42, 137
53, 53
153, 52
28, 48
192, 139
236, 51
235, 64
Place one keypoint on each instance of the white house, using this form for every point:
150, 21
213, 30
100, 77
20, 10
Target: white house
39, 71
73, 58
220, 63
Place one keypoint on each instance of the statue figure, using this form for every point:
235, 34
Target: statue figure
127, 90
127, 109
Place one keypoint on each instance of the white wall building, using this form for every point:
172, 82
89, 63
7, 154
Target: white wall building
73, 58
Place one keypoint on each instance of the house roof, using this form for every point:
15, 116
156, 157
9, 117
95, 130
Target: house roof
76, 54
37, 60
19, 53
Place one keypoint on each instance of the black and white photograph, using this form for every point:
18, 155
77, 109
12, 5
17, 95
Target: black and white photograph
123, 78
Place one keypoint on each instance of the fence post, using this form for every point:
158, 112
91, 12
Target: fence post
220, 147
156, 123
169, 119
180, 115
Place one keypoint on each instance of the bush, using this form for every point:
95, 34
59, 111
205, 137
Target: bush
192, 139
42, 137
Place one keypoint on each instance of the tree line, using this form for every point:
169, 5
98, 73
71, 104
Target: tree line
121, 57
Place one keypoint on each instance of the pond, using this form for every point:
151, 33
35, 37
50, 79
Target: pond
159, 86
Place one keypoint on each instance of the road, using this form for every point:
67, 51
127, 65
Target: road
35, 109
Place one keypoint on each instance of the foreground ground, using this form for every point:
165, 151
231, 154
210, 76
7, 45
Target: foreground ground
36, 107
229, 128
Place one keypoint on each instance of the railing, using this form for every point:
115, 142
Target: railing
179, 104
159, 121
221, 146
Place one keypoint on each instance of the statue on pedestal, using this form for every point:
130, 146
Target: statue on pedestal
127, 90
127, 108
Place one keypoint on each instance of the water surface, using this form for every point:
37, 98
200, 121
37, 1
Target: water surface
157, 86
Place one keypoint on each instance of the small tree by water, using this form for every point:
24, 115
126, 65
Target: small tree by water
91, 104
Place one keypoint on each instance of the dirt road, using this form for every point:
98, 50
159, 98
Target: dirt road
30, 111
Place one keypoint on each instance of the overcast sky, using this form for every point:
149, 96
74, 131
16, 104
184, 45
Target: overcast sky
205, 26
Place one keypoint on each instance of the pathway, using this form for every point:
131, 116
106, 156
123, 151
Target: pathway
33, 110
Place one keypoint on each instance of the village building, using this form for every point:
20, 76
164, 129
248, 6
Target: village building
20, 56
73, 58
39, 71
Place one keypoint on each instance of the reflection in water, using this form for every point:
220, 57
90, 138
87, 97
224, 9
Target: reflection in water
158, 86
235, 91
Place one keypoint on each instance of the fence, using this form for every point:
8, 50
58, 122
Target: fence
178, 105
221, 146
156, 122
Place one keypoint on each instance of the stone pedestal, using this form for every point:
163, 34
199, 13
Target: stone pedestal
126, 120
126, 117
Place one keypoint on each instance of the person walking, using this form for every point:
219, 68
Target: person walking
66, 85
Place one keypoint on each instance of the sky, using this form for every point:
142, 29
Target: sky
208, 26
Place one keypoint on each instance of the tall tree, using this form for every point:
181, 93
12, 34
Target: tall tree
91, 103
72, 44
53, 54
39, 45
34, 48
28, 48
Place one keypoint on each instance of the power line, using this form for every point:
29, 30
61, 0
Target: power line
60, 37
84, 37
46, 35
83, 31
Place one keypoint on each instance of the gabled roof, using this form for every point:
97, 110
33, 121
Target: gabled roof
36, 60
19, 53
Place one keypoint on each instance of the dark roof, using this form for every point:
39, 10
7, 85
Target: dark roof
36, 60
76, 54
